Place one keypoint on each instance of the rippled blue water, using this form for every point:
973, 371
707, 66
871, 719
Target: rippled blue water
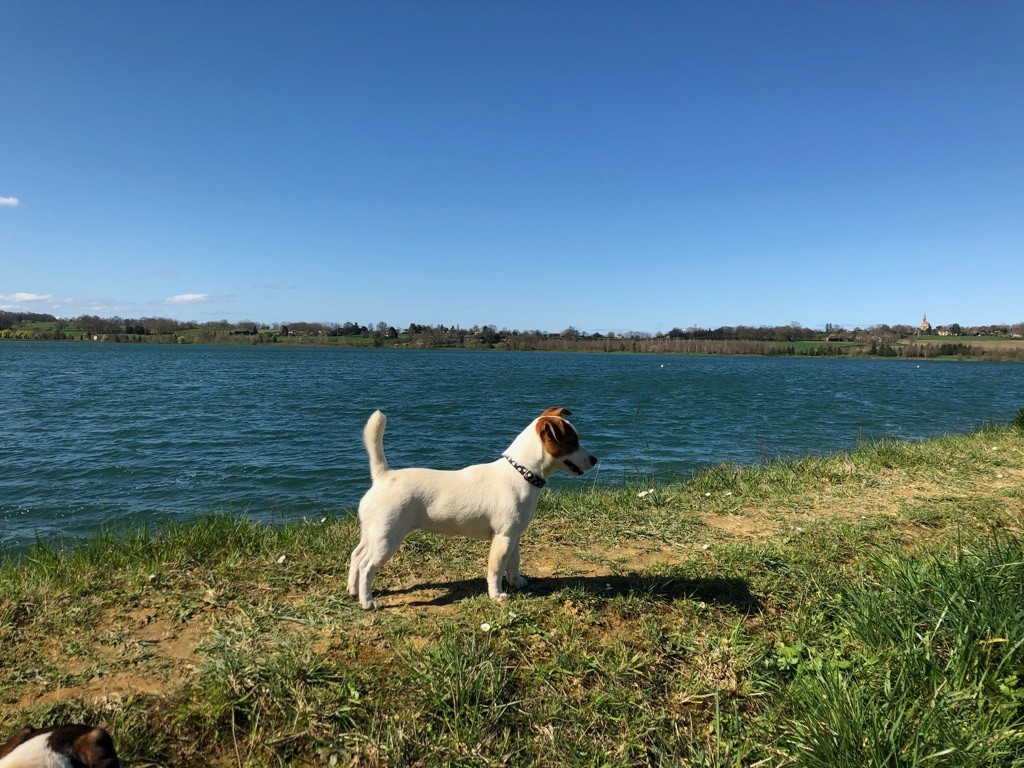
119, 433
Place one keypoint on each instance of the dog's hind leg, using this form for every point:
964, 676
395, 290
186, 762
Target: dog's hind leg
353, 569
377, 551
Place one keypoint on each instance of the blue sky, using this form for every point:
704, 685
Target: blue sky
531, 165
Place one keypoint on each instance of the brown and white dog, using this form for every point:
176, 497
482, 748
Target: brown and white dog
493, 501
65, 746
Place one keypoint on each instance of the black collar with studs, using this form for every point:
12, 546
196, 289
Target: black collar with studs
531, 477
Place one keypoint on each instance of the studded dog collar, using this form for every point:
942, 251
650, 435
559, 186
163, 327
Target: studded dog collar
531, 477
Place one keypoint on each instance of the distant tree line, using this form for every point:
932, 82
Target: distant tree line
490, 333
791, 339
13, 319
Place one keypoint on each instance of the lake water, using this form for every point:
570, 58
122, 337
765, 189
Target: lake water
122, 434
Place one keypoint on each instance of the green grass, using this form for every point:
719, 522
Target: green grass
927, 665
855, 610
809, 346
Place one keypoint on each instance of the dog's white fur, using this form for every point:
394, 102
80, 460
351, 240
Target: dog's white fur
483, 501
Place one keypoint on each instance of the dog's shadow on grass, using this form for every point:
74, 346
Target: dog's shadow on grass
724, 592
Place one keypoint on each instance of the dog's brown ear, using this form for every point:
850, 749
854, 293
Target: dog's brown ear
95, 748
16, 739
557, 434
552, 432
559, 413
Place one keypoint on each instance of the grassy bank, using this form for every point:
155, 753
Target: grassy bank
862, 609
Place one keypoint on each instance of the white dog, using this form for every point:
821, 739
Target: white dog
493, 501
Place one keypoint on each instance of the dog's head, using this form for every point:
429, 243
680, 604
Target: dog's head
562, 443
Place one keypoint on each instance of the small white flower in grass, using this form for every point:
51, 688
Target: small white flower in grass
648, 492
281, 559
708, 494
728, 493
485, 627
1000, 475
323, 520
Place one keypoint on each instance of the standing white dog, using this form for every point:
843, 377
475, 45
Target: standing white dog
493, 501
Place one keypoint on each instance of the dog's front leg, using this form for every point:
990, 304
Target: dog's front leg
512, 575
501, 550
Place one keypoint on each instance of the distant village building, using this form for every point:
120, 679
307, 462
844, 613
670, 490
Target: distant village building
925, 326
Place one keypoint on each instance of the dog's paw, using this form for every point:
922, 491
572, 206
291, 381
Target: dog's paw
518, 582
369, 605
501, 597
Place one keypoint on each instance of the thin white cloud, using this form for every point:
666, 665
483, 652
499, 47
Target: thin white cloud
26, 297
188, 298
9, 202
276, 287
105, 307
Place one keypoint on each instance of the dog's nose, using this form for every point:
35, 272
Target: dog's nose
593, 460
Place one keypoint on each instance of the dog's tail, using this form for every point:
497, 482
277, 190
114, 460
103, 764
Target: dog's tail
373, 439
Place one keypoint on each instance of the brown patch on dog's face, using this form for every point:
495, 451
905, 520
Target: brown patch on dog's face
558, 435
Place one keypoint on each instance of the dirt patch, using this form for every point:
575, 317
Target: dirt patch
165, 638
754, 526
99, 689
99, 672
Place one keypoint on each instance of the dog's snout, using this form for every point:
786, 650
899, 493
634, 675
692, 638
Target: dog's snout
593, 460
